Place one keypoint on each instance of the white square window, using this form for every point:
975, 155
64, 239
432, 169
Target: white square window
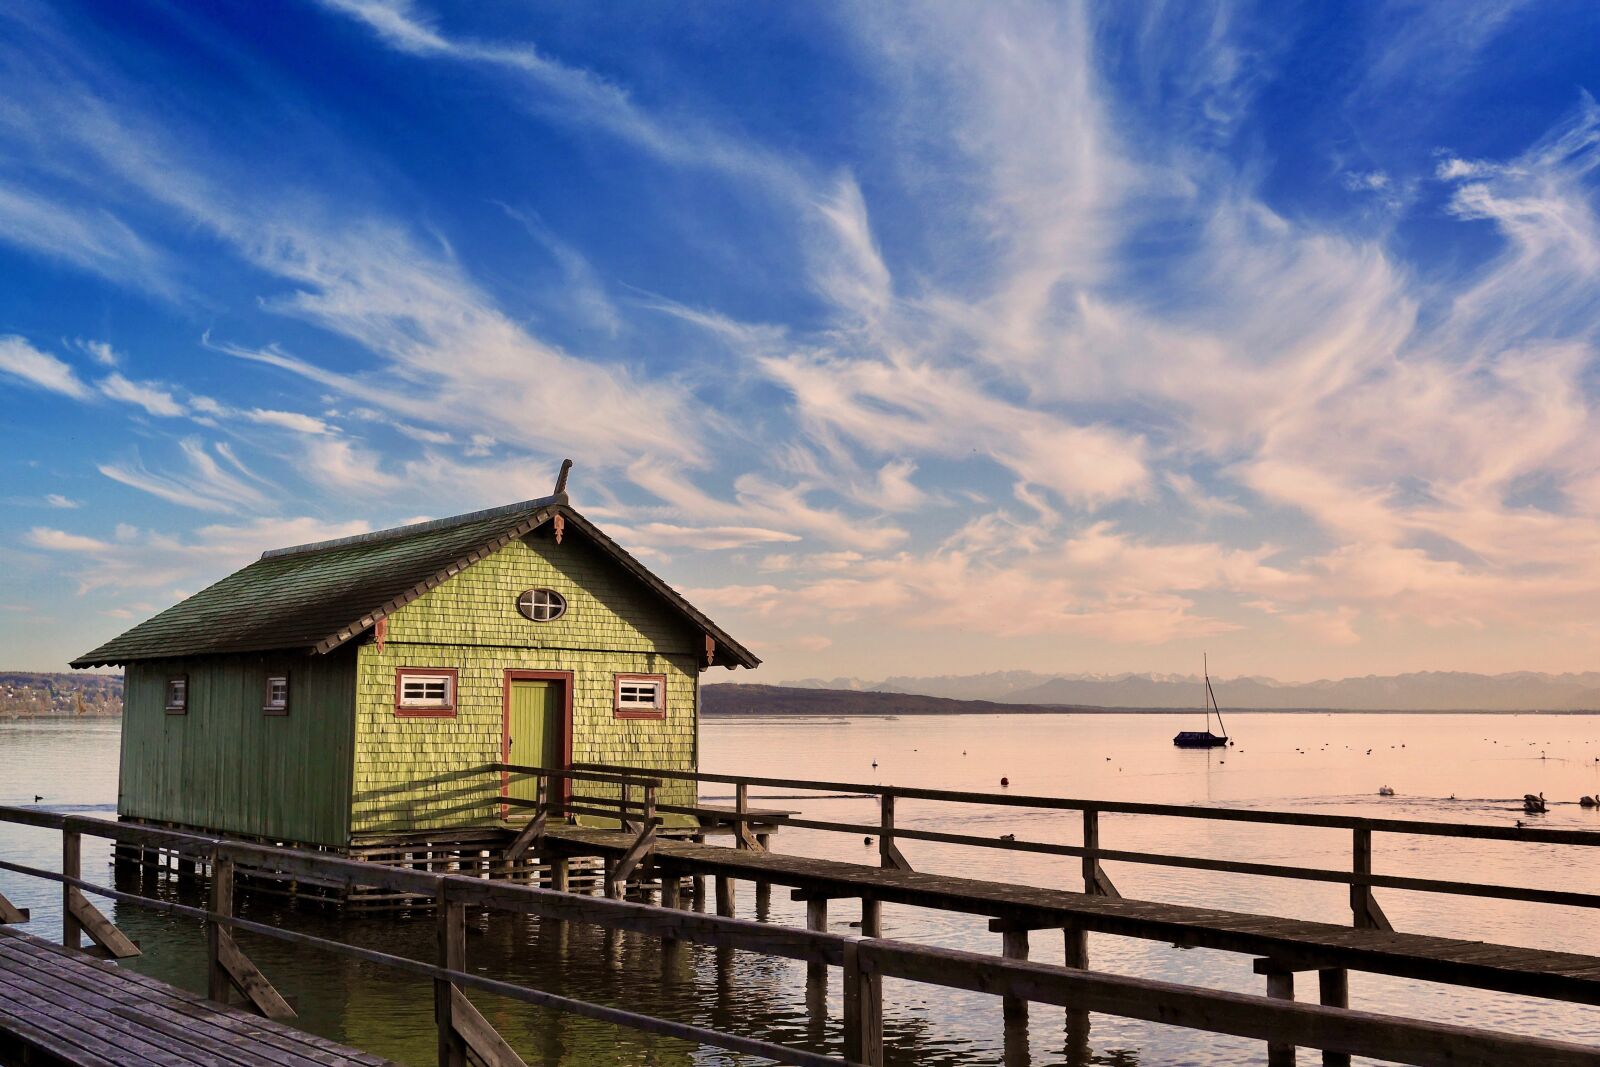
276, 701
178, 695
641, 696
423, 691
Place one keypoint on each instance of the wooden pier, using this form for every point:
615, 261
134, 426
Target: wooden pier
640, 861
60, 1008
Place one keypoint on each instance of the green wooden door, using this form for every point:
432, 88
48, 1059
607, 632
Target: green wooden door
534, 732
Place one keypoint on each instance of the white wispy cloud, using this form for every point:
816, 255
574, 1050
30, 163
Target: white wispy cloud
205, 485
288, 420
151, 396
19, 359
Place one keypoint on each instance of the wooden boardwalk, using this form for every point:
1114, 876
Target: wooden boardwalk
64, 1009
1292, 944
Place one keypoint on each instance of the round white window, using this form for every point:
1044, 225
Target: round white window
542, 605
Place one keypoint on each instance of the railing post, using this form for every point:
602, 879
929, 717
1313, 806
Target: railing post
863, 1007
889, 854
451, 919
1363, 905
218, 984
72, 867
741, 809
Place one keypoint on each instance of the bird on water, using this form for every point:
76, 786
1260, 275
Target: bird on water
1533, 805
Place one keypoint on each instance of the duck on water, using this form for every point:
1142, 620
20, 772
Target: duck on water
1205, 738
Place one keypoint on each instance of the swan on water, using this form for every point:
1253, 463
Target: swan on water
1385, 791
1533, 805
1589, 802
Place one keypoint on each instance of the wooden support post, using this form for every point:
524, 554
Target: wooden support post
479, 1035
227, 967
1095, 880
724, 896
72, 867
889, 854
817, 973
1280, 986
451, 920
559, 873
221, 903
1014, 946
10, 913
1076, 945
1335, 989
863, 1007
1363, 905
671, 886
871, 917
742, 837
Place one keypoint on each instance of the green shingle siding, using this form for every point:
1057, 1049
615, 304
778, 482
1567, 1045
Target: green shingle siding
413, 773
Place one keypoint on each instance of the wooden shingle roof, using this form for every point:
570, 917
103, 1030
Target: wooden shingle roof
317, 597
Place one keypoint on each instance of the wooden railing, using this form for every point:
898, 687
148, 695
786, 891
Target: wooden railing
865, 962
1360, 877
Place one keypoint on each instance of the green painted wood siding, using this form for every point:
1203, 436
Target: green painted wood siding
416, 773
225, 765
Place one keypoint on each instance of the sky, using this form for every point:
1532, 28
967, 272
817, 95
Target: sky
903, 339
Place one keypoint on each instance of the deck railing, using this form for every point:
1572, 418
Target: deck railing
865, 962
1360, 877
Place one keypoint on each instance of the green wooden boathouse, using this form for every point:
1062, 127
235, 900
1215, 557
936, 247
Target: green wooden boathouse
358, 690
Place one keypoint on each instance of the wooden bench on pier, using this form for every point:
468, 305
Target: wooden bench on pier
61, 1008
1283, 945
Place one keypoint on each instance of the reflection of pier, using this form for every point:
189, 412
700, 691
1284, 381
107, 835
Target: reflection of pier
635, 854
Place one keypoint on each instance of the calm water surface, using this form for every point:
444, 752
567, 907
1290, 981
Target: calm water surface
1471, 768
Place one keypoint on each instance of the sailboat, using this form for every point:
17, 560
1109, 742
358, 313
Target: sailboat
1205, 738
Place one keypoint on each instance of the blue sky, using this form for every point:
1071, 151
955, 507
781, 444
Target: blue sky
921, 339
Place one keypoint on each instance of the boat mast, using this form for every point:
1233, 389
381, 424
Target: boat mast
1211, 698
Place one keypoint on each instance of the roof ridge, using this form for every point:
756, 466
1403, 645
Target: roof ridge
398, 532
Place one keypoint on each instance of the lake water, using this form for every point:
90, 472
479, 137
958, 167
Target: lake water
1471, 768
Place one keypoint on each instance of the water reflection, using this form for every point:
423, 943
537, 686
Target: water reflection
1302, 762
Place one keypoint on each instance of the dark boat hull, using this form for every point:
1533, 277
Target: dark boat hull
1199, 739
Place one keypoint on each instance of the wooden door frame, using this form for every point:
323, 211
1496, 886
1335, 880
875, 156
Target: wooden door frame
513, 674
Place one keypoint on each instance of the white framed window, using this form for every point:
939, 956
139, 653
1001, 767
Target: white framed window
275, 700
177, 695
542, 605
640, 696
425, 691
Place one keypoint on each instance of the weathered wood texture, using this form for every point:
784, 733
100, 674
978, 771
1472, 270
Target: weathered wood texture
224, 764
1556, 975
65, 1009
866, 960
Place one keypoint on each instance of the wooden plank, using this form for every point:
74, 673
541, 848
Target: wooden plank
249, 980
101, 1030
1305, 1025
34, 1033
128, 1001
10, 913
1419, 827
188, 1009
1318, 945
529, 837
481, 1038
99, 928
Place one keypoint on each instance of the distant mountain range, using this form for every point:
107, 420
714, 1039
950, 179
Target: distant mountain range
1422, 691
